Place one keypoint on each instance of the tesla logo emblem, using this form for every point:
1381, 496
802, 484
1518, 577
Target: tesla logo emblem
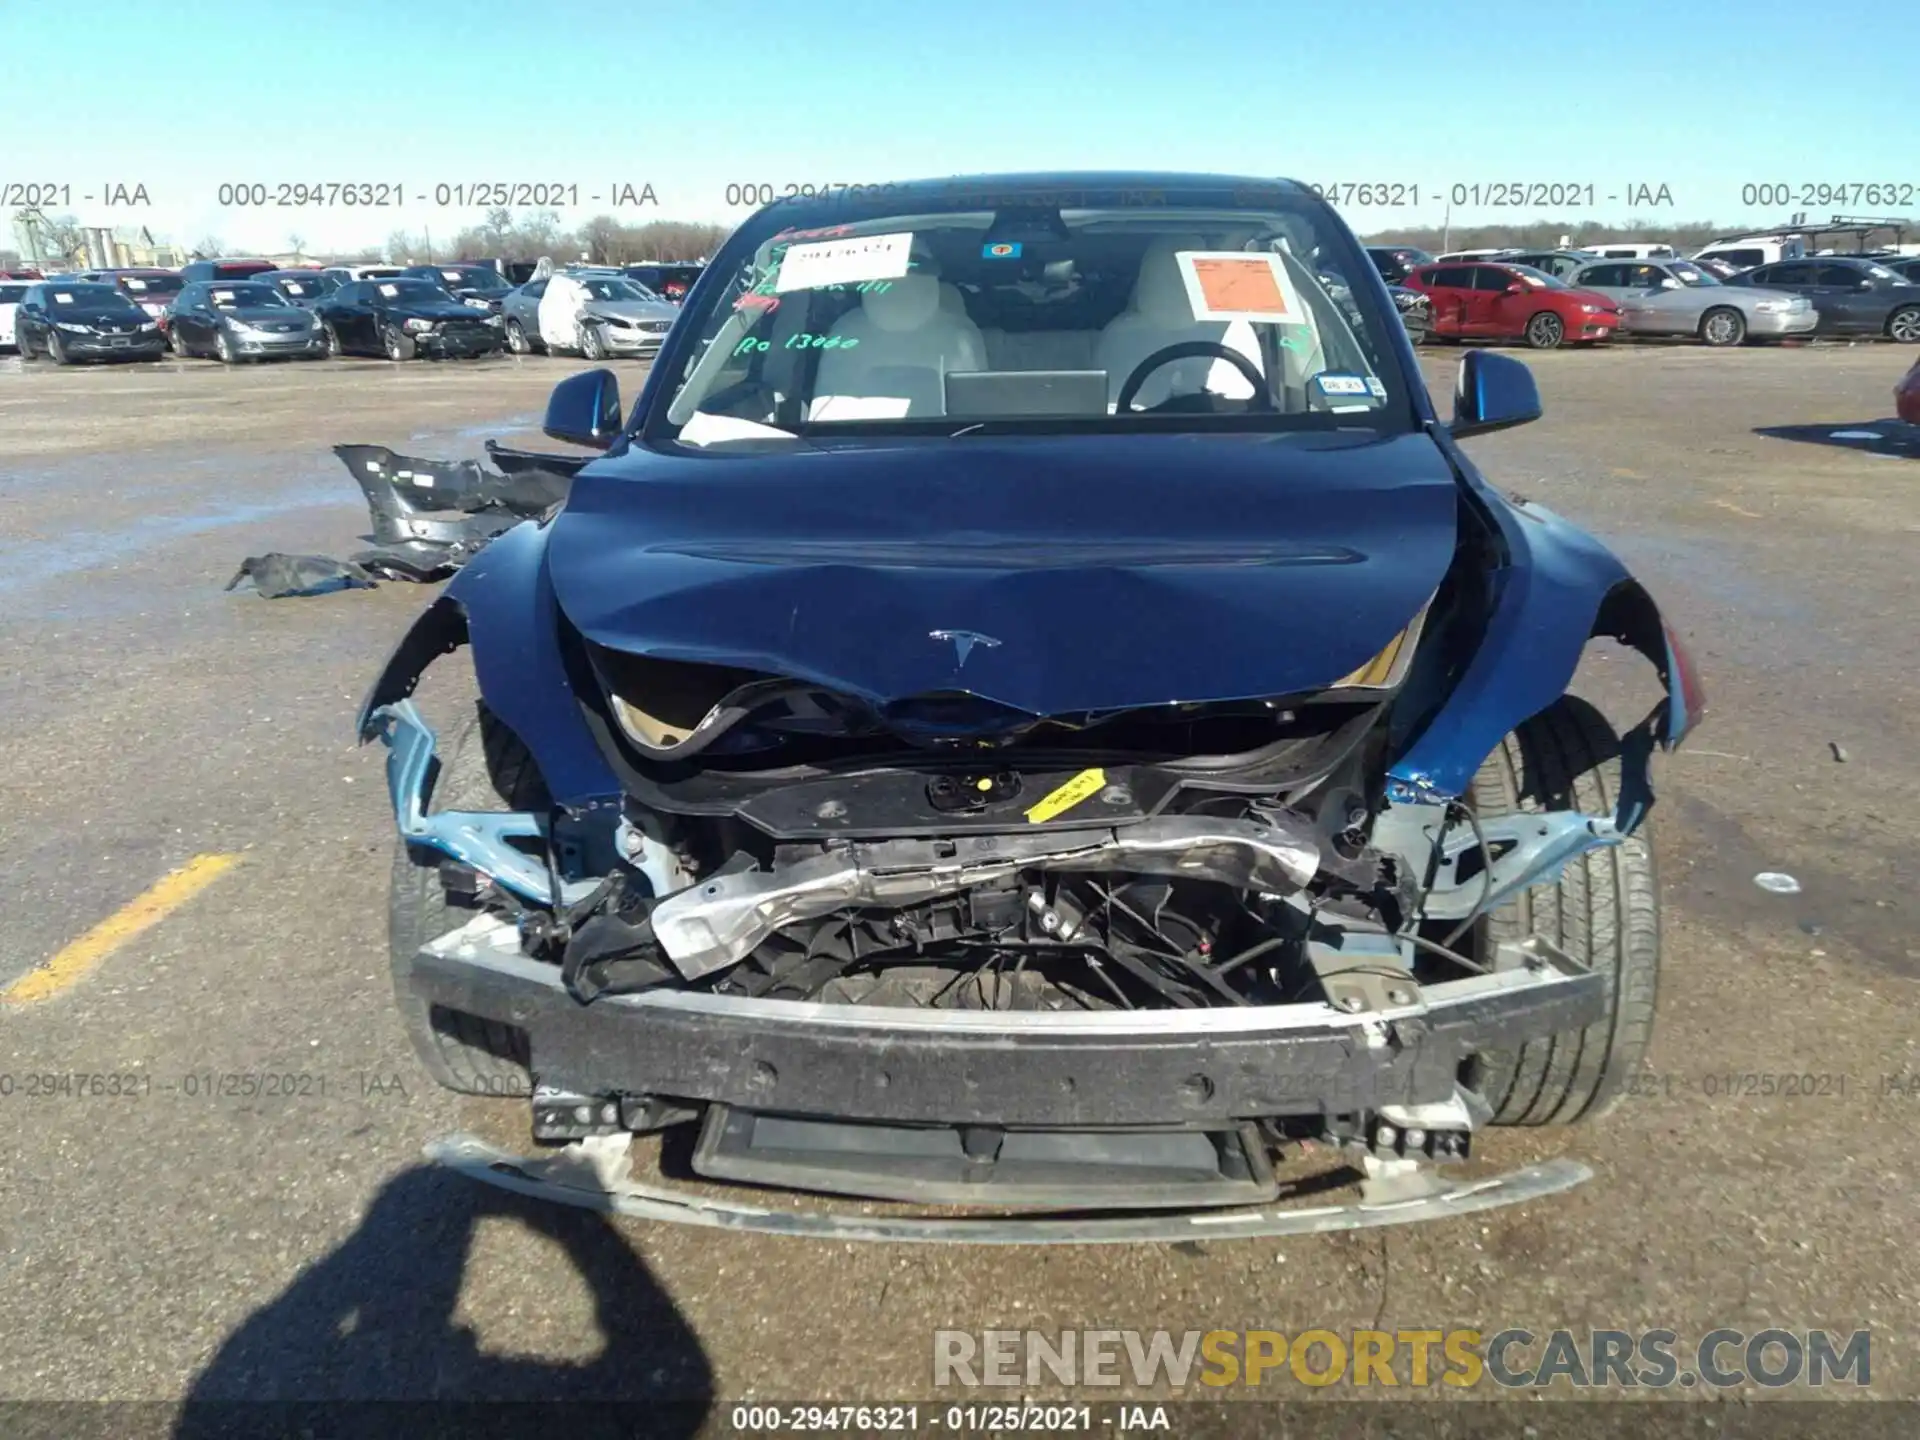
963, 643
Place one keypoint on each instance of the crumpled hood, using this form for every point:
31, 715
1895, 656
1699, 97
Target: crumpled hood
633, 309
1053, 576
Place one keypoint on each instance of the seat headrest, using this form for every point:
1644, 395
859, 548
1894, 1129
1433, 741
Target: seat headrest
907, 304
1161, 291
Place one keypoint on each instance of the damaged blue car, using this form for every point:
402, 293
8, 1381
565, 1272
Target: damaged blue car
1033, 711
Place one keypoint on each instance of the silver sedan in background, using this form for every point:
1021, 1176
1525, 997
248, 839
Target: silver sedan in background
1677, 297
613, 316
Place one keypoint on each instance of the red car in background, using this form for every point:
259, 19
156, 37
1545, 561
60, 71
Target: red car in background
149, 287
1906, 396
1483, 301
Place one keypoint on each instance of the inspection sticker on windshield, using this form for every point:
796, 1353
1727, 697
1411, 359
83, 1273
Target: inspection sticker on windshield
845, 262
1234, 285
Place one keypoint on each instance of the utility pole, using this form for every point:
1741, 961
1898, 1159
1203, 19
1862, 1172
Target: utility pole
1446, 229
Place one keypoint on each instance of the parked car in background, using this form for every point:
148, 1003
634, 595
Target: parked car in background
230, 268
305, 288
12, 292
402, 318
581, 312
27, 274
1677, 297
346, 274
1561, 264
152, 289
1512, 302
242, 320
667, 282
1853, 297
82, 320
1719, 269
1907, 267
480, 286
1635, 250
1747, 251
1906, 395
1454, 257
1394, 262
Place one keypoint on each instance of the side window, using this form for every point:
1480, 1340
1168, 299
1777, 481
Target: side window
1843, 275
1455, 277
1645, 277
536, 288
350, 293
1792, 273
1487, 277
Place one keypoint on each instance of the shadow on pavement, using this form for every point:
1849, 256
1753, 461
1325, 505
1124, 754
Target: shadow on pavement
373, 1322
1893, 438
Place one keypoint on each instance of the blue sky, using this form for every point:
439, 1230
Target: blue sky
693, 97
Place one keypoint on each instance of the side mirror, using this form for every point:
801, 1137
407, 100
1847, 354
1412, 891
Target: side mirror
584, 409
1494, 392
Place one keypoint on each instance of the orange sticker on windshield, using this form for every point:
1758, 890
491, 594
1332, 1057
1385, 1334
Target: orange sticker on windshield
1234, 285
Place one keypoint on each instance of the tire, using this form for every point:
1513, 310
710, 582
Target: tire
517, 339
329, 340
487, 769
1903, 325
1545, 331
57, 349
223, 348
177, 343
1723, 326
398, 346
1603, 911
593, 345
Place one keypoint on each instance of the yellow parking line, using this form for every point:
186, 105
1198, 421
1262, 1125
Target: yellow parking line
78, 959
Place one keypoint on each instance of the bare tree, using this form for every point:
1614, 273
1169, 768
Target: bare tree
298, 245
208, 246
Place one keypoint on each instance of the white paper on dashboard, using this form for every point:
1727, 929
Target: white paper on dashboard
845, 262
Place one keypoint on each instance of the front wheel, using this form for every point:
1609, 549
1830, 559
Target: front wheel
1904, 325
487, 769
1603, 910
223, 347
1546, 330
329, 341
593, 345
57, 348
1722, 326
517, 339
399, 346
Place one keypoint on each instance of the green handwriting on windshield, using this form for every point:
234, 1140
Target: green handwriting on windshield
800, 341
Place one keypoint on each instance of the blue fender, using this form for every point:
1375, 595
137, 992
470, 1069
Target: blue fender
1558, 588
502, 603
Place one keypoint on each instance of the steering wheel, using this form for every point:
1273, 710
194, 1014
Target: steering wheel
1262, 397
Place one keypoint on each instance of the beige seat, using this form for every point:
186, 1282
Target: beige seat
895, 353
1162, 315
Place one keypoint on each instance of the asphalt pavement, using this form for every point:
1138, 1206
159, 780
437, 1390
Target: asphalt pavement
213, 1182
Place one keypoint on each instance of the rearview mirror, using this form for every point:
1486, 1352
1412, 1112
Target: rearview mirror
584, 409
1493, 392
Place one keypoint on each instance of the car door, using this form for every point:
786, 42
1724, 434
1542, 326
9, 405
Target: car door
183, 321
1448, 287
1857, 303
343, 311
30, 320
1660, 301
1610, 278
526, 306
1492, 311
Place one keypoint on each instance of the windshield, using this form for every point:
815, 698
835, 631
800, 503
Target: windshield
12, 294
90, 297
601, 289
477, 277
951, 320
151, 287
1878, 272
234, 297
1540, 279
1689, 274
306, 287
414, 292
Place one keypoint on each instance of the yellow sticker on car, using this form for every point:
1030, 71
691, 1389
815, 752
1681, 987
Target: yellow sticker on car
1087, 783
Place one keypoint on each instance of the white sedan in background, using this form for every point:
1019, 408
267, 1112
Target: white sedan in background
1677, 297
11, 294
